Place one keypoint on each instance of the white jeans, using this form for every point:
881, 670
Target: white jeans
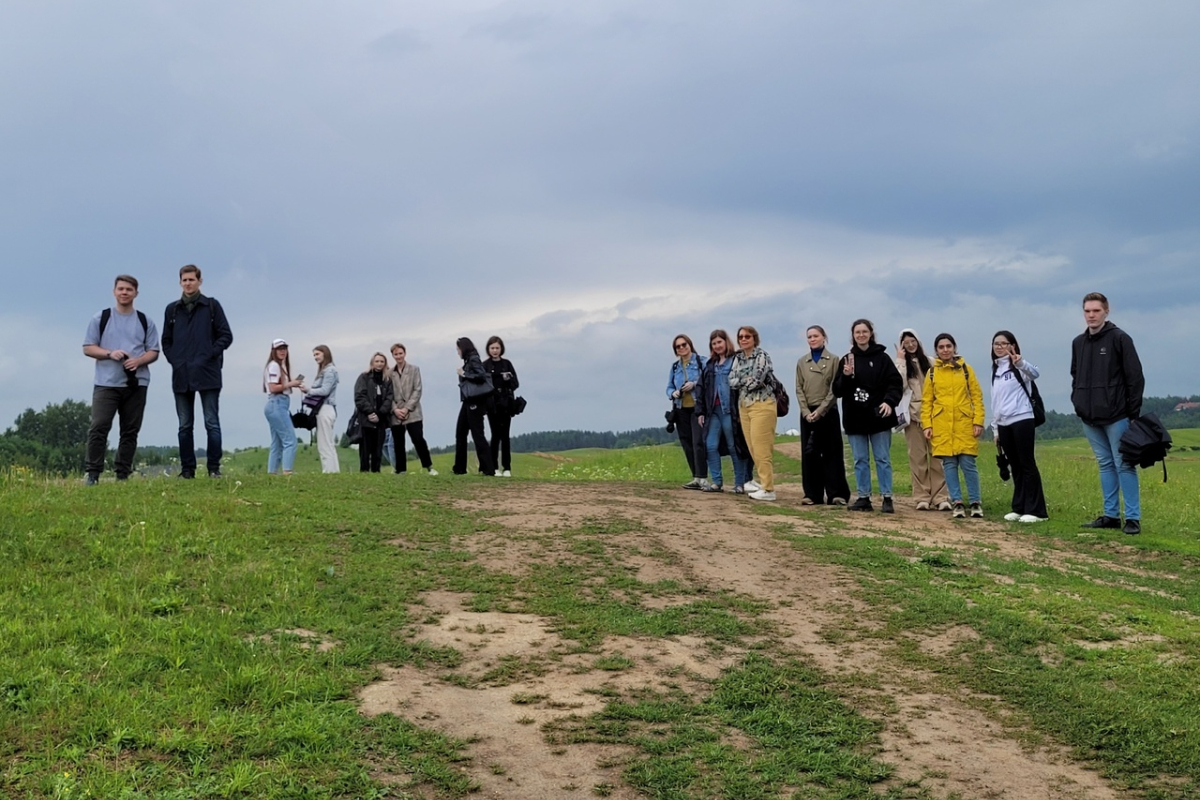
326, 444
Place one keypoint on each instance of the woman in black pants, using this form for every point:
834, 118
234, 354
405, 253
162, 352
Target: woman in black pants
505, 383
682, 381
406, 414
475, 389
1013, 426
373, 401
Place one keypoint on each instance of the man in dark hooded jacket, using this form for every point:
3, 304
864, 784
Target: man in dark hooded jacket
195, 336
1106, 390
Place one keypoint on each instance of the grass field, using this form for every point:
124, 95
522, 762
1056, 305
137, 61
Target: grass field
158, 636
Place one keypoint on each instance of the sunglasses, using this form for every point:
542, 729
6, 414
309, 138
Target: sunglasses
681, 345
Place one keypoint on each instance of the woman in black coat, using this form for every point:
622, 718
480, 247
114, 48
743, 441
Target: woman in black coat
505, 384
475, 389
373, 401
870, 387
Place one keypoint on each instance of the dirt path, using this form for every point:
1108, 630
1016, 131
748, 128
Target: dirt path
938, 737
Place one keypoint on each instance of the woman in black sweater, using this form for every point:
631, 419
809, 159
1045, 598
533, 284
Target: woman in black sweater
870, 387
475, 389
500, 414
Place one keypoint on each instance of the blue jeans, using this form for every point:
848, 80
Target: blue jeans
1115, 474
719, 424
185, 409
862, 446
283, 435
950, 465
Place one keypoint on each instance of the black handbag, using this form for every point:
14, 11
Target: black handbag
306, 417
473, 390
354, 428
783, 403
518, 405
1035, 400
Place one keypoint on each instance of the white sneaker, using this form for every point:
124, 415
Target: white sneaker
1012, 516
432, 471
1030, 518
762, 494
506, 474
752, 486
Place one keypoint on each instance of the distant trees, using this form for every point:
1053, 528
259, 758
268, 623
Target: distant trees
52, 440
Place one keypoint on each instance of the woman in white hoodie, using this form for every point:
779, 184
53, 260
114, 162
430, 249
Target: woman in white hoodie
1013, 426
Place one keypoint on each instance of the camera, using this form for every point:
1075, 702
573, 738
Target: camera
672, 417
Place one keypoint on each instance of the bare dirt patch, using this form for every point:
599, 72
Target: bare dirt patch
939, 737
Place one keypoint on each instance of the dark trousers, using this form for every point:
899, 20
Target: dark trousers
107, 402
500, 421
470, 417
400, 455
1016, 441
822, 459
692, 439
370, 449
185, 409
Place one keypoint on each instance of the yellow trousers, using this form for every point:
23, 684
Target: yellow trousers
758, 425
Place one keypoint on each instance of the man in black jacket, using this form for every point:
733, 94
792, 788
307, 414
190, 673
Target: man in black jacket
1106, 390
195, 336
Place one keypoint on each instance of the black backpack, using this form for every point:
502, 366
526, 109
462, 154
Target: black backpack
1145, 443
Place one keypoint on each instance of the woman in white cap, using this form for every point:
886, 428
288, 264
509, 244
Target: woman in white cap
278, 384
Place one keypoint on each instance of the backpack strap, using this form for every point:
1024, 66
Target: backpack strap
106, 315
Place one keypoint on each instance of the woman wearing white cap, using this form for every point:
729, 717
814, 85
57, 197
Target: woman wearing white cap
278, 384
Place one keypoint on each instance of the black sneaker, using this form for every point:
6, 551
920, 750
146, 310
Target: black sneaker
215, 473
92, 479
861, 504
713, 487
886, 507
1102, 522
976, 510
1132, 527
187, 475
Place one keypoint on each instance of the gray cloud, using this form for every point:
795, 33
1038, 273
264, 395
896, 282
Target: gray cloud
590, 179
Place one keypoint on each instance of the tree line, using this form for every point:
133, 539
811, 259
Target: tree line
53, 440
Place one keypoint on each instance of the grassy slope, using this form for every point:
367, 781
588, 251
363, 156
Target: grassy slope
142, 651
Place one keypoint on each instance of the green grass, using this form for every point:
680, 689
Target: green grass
144, 653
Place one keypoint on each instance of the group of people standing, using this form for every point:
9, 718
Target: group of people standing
124, 341
387, 400
727, 404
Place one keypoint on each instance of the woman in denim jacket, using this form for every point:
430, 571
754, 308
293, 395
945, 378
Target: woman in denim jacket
681, 391
716, 414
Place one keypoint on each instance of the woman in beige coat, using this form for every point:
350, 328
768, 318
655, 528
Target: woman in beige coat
928, 479
406, 412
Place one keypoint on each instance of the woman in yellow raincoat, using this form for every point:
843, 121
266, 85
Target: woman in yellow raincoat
952, 418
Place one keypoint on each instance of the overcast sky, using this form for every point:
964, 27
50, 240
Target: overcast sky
588, 179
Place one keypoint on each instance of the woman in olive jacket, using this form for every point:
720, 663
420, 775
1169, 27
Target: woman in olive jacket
822, 465
870, 387
373, 402
475, 389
